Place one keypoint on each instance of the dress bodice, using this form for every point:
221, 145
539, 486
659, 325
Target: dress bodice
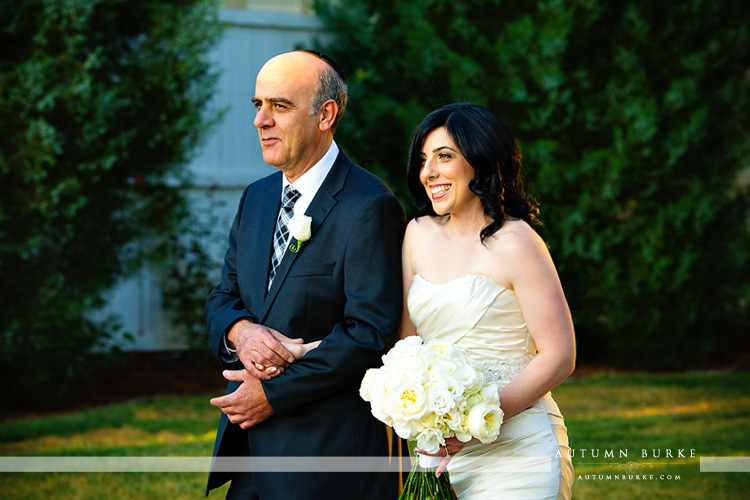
477, 314
483, 317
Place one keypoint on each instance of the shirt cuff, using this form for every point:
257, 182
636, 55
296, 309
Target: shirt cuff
228, 355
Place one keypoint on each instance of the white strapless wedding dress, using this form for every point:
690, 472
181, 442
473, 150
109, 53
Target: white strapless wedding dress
530, 458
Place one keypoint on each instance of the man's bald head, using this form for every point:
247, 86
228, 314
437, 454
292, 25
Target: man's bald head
299, 100
324, 80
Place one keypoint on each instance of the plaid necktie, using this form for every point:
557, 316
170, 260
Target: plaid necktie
281, 236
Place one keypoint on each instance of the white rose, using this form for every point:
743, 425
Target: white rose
411, 362
444, 365
408, 342
365, 387
441, 400
474, 399
462, 432
491, 394
408, 401
455, 387
484, 422
300, 227
403, 429
430, 440
378, 411
469, 377
430, 421
453, 419
374, 390
407, 429
409, 346
400, 374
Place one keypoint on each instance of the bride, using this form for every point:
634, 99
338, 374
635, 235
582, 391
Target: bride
477, 275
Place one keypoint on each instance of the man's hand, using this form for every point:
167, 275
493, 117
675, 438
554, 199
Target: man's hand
248, 405
260, 349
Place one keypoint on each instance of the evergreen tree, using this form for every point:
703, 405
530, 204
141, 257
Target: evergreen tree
101, 105
633, 119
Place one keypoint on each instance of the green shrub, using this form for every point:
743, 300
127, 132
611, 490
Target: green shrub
101, 105
633, 119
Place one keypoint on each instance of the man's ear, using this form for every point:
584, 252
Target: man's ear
327, 115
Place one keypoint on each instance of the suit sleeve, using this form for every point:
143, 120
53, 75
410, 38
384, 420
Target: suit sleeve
373, 290
224, 306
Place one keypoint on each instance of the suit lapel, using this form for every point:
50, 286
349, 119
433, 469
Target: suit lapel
319, 209
263, 225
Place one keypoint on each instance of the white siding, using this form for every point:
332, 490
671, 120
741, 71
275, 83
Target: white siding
229, 161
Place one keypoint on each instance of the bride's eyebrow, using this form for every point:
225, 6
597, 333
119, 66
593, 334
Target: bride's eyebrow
422, 153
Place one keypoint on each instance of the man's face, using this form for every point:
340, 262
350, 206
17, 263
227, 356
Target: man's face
289, 134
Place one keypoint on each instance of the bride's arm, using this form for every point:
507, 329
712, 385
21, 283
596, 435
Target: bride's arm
528, 267
298, 350
407, 327
532, 274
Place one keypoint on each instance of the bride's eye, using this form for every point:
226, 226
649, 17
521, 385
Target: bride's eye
444, 156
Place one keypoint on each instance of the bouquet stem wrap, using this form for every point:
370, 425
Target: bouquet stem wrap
423, 485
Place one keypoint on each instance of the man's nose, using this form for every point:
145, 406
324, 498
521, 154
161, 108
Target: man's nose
262, 118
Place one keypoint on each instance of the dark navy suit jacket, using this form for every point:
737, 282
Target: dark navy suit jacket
343, 287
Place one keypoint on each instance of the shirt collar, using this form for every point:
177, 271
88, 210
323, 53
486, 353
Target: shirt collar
309, 182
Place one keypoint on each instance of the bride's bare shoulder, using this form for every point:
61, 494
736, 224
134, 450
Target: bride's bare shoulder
423, 226
516, 237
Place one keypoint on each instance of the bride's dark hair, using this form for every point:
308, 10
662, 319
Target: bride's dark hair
489, 147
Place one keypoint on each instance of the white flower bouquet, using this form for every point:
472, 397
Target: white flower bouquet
430, 392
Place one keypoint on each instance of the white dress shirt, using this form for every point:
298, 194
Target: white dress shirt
309, 182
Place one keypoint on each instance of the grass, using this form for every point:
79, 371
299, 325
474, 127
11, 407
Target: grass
705, 412
180, 426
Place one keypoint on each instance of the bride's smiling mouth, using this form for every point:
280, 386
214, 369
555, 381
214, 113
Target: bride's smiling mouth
439, 190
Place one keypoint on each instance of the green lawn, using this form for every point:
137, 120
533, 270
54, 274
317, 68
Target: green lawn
705, 412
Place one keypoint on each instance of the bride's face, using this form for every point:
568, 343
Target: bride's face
445, 174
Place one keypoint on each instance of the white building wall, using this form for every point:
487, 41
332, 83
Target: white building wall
230, 160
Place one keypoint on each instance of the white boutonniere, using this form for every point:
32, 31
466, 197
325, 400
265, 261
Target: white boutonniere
300, 227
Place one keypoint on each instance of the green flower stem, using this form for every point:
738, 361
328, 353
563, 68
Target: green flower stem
422, 484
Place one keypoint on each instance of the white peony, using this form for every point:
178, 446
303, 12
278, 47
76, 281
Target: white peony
408, 401
441, 348
485, 421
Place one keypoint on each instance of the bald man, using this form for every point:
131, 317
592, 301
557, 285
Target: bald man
280, 295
